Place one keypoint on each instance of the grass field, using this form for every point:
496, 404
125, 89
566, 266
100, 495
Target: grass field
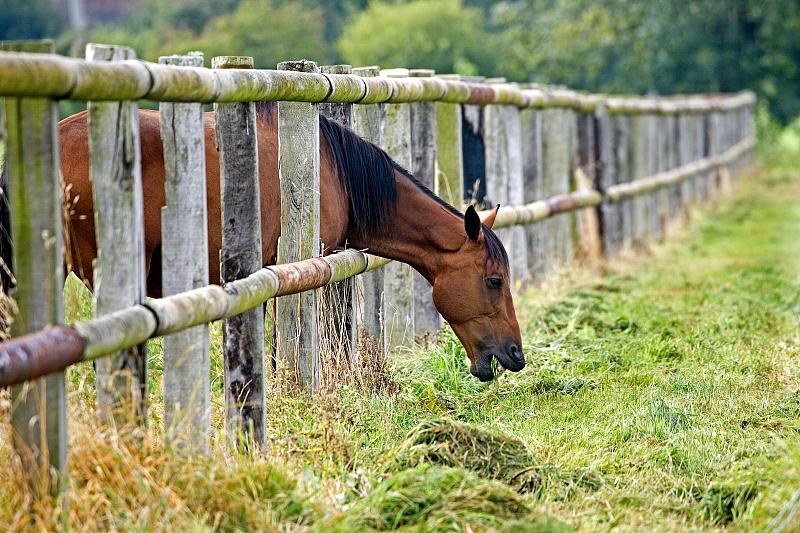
664, 395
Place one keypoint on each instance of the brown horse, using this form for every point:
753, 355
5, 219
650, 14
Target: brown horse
367, 201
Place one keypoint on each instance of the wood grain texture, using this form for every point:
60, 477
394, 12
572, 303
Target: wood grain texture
369, 122
184, 239
398, 297
119, 273
517, 241
38, 415
242, 335
296, 318
424, 142
533, 189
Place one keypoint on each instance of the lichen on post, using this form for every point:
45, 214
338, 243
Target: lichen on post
119, 272
449, 180
296, 317
184, 247
38, 414
242, 335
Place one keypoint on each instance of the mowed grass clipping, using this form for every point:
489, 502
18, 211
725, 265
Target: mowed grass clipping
663, 396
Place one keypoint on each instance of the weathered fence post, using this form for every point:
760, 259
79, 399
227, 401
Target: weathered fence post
33, 192
517, 244
684, 156
336, 302
672, 161
557, 162
119, 279
184, 249
533, 188
296, 319
641, 204
449, 159
587, 177
369, 123
243, 335
502, 137
398, 298
423, 126
607, 174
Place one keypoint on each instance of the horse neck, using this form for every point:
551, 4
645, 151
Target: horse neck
421, 234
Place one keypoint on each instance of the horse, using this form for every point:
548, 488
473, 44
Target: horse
367, 201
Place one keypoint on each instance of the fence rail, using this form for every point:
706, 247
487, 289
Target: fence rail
617, 169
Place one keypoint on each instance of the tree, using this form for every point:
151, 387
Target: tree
269, 31
439, 34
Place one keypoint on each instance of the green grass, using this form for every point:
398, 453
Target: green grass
664, 395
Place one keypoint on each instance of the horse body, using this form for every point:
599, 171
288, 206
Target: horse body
366, 201
74, 148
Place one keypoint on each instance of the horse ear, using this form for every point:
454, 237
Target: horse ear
472, 223
489, 219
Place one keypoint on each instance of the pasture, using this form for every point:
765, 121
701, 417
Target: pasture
661, 395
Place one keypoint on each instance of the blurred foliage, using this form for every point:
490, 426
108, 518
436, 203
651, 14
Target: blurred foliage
269, 30
440, 34
621, 46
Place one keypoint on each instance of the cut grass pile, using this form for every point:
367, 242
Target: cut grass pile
663, 396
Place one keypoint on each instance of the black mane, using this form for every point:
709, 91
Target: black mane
367, 173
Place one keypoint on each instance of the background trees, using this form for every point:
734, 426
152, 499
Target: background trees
628, 46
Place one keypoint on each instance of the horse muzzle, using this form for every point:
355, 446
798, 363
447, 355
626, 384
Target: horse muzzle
510, 357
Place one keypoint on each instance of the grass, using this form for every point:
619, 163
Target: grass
664, 395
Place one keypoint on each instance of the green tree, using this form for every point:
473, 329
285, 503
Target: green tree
30, 19
439, 34
268, 30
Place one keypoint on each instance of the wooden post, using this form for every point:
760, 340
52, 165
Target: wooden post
587, 177
533, 189
651, 167
242, 335
606, 175
517, 244
184, 249
398, 296
556, 149
704, 142
423, 127
449, 182
640, 205
569, 222
369, 122
684, 156
33, 191
298, 161
336, 302
119, 279
623, 162
671, 147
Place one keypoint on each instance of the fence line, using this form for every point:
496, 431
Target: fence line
620, 168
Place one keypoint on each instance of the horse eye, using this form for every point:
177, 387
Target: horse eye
494, 283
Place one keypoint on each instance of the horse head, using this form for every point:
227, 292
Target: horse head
472, 292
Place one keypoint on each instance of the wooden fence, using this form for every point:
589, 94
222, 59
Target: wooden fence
618, 171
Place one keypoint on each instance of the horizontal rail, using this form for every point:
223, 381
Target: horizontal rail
23, 358
623, 191
55, 76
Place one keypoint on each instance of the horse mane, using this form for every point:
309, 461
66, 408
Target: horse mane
367, 173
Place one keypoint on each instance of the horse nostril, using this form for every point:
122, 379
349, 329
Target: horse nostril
515, 352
